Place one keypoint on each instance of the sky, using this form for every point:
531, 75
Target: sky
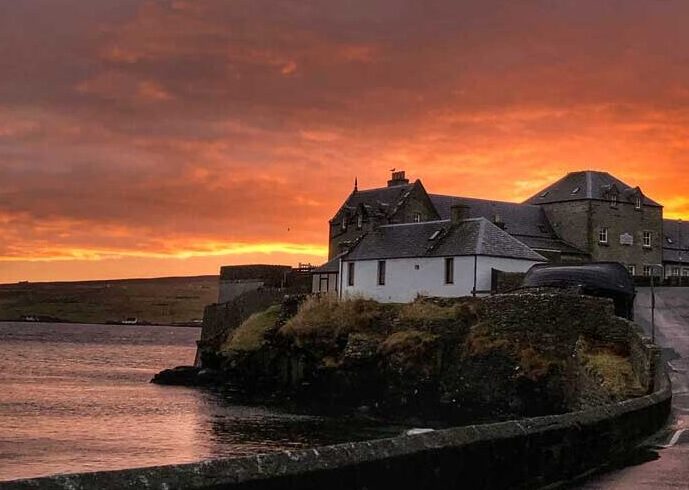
143, 138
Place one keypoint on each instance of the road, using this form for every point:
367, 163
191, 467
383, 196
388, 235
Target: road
666, 466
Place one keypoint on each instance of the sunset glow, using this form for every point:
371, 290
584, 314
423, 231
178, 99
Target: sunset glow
153, 138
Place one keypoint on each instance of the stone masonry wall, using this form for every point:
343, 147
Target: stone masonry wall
220, 319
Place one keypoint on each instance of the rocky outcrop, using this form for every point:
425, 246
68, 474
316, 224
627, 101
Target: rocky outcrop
460, 360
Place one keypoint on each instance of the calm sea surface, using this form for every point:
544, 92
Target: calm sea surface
77, 398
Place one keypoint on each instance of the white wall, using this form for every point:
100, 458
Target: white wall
404, 281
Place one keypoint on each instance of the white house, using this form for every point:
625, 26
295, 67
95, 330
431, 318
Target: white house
448, 258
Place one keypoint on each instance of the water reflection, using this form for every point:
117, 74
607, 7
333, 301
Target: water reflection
77, 398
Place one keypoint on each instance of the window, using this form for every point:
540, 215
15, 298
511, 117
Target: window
344, 224
359, 221
651, 270
632, 269
613, 201
603, 236
637, 202
648, 237
416, 217
675, 272
350, 273
685, 272
381, 273
449, 270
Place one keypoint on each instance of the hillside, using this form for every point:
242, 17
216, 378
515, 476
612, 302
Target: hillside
162, 300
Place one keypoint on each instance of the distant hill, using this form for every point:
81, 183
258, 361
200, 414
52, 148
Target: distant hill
164, 300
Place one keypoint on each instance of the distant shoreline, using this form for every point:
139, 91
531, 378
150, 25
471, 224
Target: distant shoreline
110, 324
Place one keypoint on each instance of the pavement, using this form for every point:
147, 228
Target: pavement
664, 465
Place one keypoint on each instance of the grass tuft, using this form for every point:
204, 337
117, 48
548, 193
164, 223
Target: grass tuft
250, 335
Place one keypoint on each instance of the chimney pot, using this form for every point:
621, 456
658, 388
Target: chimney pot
398, 178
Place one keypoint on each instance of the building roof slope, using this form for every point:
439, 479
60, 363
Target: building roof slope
528, 223
675, 240
441, 239
588, 184
382, 201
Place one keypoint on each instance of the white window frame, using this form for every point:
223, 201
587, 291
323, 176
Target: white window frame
676, 271
613, 200
647, 240
416, 218
638, 203
603, 235
648, 271
632, 269
359, 221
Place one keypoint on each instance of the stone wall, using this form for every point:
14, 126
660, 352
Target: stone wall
527, 453
220, 319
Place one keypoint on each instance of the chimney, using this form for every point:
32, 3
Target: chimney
398, 178
458, 213
497, 221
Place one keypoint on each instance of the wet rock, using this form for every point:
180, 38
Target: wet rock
186, 376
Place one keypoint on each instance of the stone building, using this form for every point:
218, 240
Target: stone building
585, 216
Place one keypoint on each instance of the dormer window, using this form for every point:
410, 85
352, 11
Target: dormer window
359, 221
416, 217
613, 200
637, 202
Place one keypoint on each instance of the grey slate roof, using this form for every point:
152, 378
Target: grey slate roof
528, 223
381, 201
469, 237
589, 184
330, 267
672, 229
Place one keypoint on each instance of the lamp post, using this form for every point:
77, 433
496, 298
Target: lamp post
653, 301
679, 234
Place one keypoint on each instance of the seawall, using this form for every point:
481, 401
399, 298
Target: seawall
526, 453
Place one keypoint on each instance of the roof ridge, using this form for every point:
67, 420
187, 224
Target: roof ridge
391, 225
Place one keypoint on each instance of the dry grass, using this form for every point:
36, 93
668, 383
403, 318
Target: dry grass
407, 341
481, 341
532, 363
250, 335
615, 373
328, 316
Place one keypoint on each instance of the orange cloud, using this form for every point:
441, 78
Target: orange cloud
173, 137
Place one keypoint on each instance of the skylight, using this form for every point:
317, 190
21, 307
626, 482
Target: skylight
545, 194
434, 235
576, 190
669, 240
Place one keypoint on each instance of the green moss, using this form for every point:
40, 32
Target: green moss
250, 335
